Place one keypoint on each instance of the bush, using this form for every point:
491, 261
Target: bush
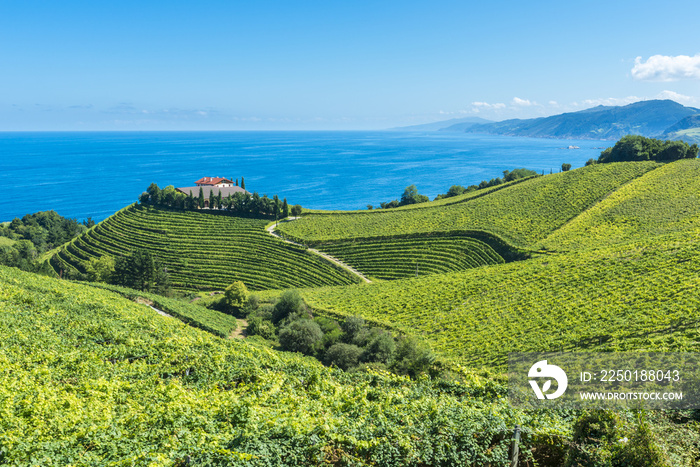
640, 450
380, 349
344, 356
290, 303
302, 335
251, 305
412, 357
592, 431
236, 294
258, 326
565, 167
352, 327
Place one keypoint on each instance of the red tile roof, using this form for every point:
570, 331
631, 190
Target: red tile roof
212, 181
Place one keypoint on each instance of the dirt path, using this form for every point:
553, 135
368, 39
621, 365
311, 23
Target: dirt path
327, 257
240, 331
149, 304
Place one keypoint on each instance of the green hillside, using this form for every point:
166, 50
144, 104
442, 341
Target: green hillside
89, 378
522, 213
663, 201
396, 258
641, 296
203, 250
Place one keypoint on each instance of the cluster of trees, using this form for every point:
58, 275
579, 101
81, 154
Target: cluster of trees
410, 196
508, 176
639, 148
141, 270
34, 234
238, 203
349, 344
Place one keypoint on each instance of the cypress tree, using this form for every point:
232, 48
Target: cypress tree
212, 199
242, 183
190, 201
218, 200
236, 182
200, 201
285, 208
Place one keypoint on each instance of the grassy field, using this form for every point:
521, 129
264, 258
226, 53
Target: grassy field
663, 201
215, 322
397, 258
639, 296
203, 250
521, 213
90, 378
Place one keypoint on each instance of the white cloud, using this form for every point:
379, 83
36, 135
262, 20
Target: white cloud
666, 68
680, 98
611, 101
522, 102
486, 105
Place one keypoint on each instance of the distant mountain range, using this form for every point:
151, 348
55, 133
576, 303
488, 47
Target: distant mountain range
655, 118
455, 124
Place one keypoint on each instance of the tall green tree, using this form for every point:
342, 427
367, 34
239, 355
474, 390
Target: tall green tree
285, 208
411, 196
141, 271
200, 199
276, 208
242, 183
154, 193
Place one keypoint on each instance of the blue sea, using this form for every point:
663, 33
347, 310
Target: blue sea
93, 174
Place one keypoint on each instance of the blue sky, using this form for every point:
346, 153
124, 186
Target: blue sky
232, 65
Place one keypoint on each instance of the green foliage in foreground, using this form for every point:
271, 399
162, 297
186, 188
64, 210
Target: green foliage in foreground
215, 322
522, 213
89, 378
396, 258
640, 296
203, 250
663, 201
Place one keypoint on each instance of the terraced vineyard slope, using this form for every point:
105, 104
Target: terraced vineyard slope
640, 296
89, 378
203, 250
522, 213
663, 201
396, 258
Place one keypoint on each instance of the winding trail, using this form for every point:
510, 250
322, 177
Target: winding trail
149, 304
327, 257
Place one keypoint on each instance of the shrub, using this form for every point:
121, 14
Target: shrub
251, 305
592, 431
258, 326
289, 303
302, 335
236, 294
565, 167
351, 327
640, 450
380, 349
412, 357
344, 356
